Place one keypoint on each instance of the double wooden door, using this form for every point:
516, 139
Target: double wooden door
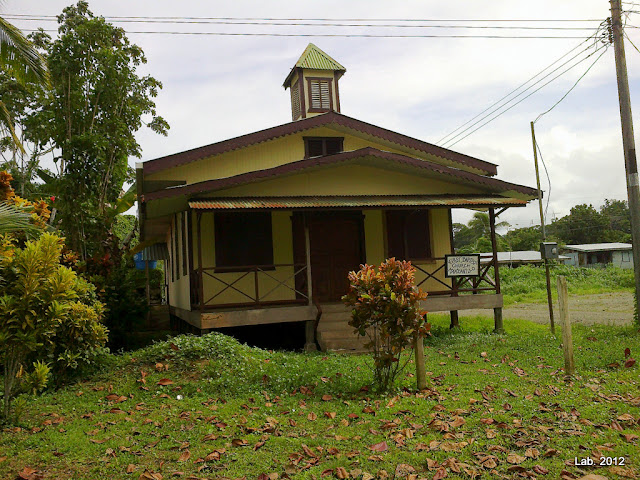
336, 246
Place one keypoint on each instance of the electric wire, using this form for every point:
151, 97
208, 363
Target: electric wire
572, 87
341, 35
416, 20
302, 24
450, 143
446, 137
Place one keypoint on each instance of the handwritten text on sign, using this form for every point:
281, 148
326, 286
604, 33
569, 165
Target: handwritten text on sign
462, 265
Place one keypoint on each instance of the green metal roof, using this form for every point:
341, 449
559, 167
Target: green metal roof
316, 59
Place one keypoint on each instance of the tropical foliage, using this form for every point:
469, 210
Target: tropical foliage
386, 309
47, 314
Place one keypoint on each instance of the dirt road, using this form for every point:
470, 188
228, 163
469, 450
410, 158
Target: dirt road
606, 308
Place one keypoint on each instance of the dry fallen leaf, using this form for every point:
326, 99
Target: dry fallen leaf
131, 468
184, 456
165, 381
379, 447
515, 459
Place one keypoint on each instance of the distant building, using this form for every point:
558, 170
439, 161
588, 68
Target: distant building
599, 254
515, 259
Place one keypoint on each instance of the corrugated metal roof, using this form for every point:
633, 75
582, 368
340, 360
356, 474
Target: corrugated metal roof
353, 201
313, 57
157, 251
599, 247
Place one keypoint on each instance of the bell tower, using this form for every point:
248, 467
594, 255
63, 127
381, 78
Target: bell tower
313, 83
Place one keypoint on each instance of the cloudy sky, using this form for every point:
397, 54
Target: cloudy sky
217, 87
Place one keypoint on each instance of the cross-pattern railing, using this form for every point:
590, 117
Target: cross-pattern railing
482, 283
210, 298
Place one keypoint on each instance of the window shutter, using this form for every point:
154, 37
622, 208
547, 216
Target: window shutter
316, 99
324, 95
295, 101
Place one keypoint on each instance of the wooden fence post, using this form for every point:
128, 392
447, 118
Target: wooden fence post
421, 371
567, 340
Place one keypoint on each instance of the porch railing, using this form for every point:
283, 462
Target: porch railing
466, 285
252, 295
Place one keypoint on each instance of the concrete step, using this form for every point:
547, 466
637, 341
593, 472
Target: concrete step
334, 307
352, 344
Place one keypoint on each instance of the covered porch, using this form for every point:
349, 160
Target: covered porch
303, 250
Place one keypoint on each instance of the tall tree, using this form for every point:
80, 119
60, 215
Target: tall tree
584, 224
97, 103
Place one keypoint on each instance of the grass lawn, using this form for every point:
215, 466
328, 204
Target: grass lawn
527, 284
497, 406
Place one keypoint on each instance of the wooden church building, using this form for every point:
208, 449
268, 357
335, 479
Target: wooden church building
264, 228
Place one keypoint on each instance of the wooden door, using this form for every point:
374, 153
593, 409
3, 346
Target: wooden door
336, 249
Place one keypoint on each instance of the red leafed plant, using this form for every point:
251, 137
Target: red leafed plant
386, 308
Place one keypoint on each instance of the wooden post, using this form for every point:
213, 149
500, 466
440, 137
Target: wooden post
628, 139
310, 328
421, 371
543, 231
567, 340
455, 322
200, 279
497, 312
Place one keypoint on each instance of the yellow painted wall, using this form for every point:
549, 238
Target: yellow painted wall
273, 153
347, 180
179, 295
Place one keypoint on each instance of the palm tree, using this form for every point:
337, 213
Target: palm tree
20, 58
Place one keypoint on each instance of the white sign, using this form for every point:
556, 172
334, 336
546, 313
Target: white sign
462, 265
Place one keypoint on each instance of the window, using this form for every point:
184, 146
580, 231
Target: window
243, 239
319, 94
295, 100
408, 236
317, 146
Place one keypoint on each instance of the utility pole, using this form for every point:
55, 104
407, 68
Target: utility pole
544, 233
628, 142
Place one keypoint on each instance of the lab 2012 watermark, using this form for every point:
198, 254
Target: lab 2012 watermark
599, 461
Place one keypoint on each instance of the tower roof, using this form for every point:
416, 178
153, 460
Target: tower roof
316, 59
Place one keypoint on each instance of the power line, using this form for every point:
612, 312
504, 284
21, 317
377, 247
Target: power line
449, 144
515, 90
323, 24
347, 35
321, 19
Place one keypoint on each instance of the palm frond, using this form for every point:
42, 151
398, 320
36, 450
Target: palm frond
12, 220
20, 57
6, 126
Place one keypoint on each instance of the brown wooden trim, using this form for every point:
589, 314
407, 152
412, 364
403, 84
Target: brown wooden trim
336, 77
200, 267
190, 249
185, 240
330, 118
293, 167
462, 302
494, 248
303, 104
452, 247
285, 313
328, 80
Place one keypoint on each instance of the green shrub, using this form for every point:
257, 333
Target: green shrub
386, 309
47, 314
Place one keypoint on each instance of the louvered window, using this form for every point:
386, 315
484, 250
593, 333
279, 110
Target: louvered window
295, 100
319, 95
317, 146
